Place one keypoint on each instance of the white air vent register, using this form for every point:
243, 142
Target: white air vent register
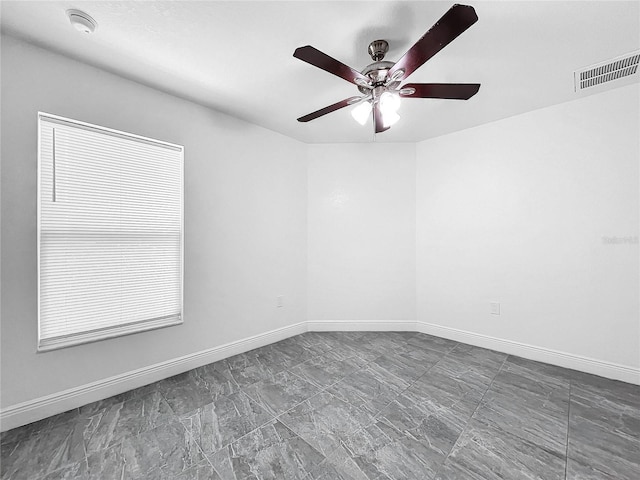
606, 71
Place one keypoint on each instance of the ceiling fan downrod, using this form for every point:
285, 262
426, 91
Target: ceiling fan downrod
378, 49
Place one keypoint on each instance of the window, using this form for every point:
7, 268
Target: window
110, 235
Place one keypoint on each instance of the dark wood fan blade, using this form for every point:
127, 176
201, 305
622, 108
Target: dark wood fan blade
459, 91
325, 110
377, 119
321, 60
452, 24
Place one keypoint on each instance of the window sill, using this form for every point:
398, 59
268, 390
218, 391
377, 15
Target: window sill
49, 344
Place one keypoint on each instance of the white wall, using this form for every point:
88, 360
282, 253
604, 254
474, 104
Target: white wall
515, 212
245, 221
512, 212
361, 218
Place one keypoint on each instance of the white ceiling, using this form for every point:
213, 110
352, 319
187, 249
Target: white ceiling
236, 56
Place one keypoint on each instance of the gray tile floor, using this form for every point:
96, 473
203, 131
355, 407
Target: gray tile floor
330, 406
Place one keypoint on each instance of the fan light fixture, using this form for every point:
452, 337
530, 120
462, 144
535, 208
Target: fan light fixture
361, 112
390, 118
389, 105
389, 102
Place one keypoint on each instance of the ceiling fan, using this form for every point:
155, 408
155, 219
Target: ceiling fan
380, 82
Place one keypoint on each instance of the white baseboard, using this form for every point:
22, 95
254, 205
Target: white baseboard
43, 407
361, 325
39, 408
540, 354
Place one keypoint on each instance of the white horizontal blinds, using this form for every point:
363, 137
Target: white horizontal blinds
110, 233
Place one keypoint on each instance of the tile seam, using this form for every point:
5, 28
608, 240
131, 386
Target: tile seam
566, 455
464, 430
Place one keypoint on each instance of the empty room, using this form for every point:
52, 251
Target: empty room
320, 240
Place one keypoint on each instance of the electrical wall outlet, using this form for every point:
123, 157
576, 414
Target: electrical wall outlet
494, 308
280, 301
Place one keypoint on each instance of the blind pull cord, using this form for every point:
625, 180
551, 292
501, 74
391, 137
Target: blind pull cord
54, 166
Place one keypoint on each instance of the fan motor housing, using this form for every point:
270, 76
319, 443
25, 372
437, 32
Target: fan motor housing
376, 72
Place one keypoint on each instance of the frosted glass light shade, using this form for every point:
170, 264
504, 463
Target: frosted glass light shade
389, 102
361, 112
390, 118
389, 105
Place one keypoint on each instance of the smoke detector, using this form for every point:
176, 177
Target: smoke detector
82, 21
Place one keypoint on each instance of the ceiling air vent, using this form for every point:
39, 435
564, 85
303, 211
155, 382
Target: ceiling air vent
603, 72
